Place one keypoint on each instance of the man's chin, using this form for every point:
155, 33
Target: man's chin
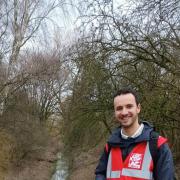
125, 124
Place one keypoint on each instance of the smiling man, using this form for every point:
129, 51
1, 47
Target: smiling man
134, 151
126, 112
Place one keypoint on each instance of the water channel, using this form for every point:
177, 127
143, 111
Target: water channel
61, 171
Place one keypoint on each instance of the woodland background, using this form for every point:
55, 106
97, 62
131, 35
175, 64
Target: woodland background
55, 87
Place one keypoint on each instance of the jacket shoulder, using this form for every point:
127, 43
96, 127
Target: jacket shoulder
161, 141
115, 136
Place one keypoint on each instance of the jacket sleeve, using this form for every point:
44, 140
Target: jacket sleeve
100, 172
164, 167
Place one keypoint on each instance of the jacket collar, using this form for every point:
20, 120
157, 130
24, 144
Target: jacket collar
136, 134
116, 138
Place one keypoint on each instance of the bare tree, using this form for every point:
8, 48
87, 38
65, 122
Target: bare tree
21, 20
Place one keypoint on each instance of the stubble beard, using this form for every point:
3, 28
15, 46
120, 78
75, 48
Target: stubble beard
129, 124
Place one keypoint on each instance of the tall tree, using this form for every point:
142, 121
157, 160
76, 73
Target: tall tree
20, 20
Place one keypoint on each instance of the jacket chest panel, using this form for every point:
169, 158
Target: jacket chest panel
136, 166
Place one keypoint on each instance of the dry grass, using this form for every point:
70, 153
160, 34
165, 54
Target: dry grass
7, 145
39, 165
85, 164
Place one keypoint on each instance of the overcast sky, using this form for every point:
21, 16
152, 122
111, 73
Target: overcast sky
62, 23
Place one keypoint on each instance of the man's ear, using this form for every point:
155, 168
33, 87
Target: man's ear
139, 108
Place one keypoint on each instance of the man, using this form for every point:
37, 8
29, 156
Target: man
127, 155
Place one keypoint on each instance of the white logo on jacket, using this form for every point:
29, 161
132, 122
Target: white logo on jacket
135, 161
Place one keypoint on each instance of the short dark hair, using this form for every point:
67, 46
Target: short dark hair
127, 90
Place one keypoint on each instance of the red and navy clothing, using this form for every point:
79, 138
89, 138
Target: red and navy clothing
130, 159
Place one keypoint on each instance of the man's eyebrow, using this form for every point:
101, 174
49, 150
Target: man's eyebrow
119, 106
129, 104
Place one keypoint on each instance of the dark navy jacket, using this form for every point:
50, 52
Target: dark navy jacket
164, 167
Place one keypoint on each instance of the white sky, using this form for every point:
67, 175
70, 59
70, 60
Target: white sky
63, 24
66, 20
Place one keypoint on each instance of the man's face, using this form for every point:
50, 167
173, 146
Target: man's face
126, 110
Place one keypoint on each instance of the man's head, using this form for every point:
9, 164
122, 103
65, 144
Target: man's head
127, 107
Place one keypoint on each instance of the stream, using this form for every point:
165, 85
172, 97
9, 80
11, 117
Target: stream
61, 171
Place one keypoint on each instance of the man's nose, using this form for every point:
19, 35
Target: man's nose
124, 111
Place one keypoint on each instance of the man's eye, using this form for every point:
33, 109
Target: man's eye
119, 108
129, 106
